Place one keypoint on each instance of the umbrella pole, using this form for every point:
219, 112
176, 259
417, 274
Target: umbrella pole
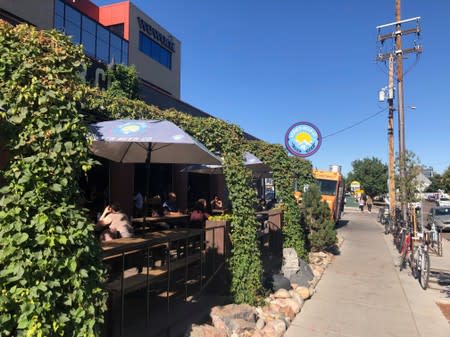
147, 180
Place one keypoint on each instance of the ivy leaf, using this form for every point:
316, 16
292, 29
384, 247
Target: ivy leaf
56, 187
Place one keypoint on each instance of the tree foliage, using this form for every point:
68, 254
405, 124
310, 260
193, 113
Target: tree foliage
371, 173
408, 185
436, 183
51, 273
317, 217
123, 81
445, 181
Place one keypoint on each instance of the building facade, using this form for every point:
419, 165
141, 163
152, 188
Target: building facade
116, 33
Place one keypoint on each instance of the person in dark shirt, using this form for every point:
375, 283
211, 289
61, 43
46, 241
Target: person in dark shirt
216, 203
170, 205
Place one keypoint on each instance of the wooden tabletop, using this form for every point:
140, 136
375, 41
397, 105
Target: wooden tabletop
124, 245
170, 216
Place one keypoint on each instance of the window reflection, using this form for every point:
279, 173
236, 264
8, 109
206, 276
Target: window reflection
97, 41
155, 51
88, 35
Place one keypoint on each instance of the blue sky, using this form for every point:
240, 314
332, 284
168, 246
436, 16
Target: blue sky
265, 65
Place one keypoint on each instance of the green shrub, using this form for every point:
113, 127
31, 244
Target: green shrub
317, 217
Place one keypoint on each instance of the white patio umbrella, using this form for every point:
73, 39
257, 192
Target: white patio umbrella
147, 141
136, 141
259, 169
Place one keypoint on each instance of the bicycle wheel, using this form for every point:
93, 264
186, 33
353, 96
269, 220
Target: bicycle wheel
424, 270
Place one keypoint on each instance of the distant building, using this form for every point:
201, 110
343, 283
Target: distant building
422, 182
427, 171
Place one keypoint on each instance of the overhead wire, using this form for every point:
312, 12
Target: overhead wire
355, 124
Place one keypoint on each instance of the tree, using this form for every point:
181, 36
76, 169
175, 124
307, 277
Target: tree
316, 216
371, 173
436, 183
445, 181
123, 81
408, 185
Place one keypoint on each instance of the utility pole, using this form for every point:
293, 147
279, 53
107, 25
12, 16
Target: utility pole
401, 111
398, 53
391, 163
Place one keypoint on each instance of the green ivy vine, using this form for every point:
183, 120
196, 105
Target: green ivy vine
285, 171
51, 272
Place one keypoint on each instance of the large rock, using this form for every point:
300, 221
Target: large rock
277, 282
238, 326
303, 276
282, 293
303, 292
290, 262
289, 302
223, 317
275, 328
204, 331
296, 297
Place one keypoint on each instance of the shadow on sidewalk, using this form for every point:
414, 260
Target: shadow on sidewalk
341, 223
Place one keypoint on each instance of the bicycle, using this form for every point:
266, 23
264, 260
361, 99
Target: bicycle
406, 247
399, 233
420, 263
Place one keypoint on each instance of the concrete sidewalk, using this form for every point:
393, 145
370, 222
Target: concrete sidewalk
362, 293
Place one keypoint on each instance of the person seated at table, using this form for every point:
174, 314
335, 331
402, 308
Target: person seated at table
155, 206
170, 205
262, 206
216, 203
199, 214
138, 201
271, 204
115, 223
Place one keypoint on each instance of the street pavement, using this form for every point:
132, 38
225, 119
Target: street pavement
363, 293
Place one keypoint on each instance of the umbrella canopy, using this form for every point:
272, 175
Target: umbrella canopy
250, 161
134, 141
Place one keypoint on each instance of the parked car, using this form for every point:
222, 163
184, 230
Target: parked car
431, 197
443, 202
440, 216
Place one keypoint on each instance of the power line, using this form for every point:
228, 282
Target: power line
355, 124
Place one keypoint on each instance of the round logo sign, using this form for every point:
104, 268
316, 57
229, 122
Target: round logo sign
130, 128
303, 139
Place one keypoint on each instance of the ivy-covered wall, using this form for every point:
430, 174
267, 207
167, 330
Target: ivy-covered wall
285, 171
51, 273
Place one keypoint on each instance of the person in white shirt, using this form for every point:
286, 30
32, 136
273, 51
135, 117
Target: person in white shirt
115, 224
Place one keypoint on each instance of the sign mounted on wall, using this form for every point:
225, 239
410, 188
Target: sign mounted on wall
303, 139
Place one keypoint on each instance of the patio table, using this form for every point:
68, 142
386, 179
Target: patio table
176, 218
